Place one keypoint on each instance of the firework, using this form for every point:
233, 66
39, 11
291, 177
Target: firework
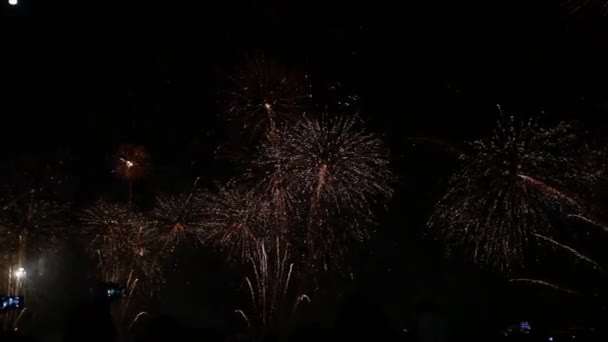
231, 220
32, 224
507, 187
586, 6
177, 217
40, 221
29, 228
546, 284
266, 95
331, 174
269, 284
570, 250
589, 220
131, 162
124, 244
9, 238
277, 200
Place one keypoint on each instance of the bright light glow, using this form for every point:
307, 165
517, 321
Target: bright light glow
12, 2
129, 163
20, 273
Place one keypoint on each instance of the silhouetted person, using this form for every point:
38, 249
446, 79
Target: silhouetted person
14, 337
162, 328
360, 318
432, 326
91, 321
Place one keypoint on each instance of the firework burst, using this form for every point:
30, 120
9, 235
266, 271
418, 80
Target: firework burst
330, 170
231, 221
278, 198
178, 217
119, 238
124, 244
501, 198
266, 95
131, 162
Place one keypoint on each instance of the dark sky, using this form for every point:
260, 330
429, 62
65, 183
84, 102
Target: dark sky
74, 57
97, 70
78, 78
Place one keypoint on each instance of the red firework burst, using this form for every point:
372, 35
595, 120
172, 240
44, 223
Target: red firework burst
131, 162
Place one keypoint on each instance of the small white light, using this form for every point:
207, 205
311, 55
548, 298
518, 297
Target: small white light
550, 338
20, 273
12, 2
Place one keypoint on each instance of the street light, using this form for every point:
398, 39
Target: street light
13, 2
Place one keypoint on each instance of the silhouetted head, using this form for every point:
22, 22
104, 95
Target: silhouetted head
90, 321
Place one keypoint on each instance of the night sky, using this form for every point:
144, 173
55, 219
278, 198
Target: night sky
80, 78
